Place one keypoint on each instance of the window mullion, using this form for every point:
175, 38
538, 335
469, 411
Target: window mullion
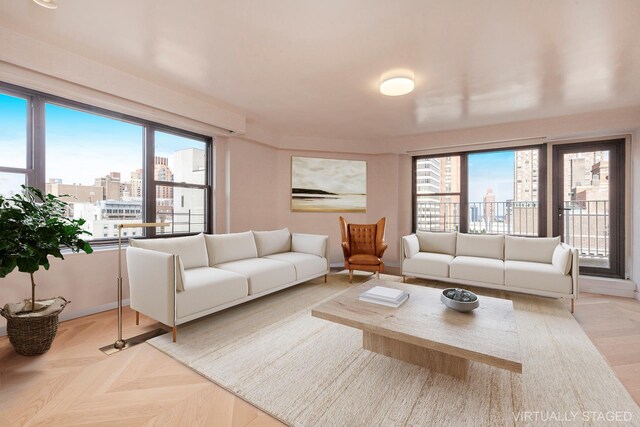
149, 187
464, 194
36, 144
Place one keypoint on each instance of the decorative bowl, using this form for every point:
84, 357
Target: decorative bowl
459, 299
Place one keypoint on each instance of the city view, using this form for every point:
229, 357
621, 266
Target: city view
113, 199
97, 163
503, 197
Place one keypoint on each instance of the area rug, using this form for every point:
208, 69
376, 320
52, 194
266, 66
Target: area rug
310, 372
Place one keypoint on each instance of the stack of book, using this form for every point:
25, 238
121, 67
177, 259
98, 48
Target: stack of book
384, 296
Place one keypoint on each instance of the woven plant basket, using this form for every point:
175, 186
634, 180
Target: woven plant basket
31, 336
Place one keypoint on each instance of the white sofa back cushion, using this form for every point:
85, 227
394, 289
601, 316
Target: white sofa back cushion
411, 245
440, 243
312, 244
532, 249
230, 247
480, 245
561, 259
272, 242
190, 249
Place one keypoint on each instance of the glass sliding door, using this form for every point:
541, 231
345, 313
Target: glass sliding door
589, 203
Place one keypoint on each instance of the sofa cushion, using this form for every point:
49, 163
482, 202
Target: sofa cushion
533, 249
427, 264
208, 288
230, 247
441, 243
480, 245
536, 276
272, 242
313, 244
486, 270
306, 265
263, 273
411, 245
561, 259
364, 259
191, 249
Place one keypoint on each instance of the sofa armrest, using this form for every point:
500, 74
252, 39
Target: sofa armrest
314, 244
152, 283
410, 246
575, 269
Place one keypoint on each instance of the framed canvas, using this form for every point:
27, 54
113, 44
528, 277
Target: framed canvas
328, 185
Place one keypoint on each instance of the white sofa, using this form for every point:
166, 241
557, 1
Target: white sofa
175, 280
533, 265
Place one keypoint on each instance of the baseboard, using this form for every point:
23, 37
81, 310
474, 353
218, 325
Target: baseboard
637, 295
608, 286
71, 314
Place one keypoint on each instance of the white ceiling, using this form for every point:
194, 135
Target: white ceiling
311, 68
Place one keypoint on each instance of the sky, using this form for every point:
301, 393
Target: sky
79, 146
491, 170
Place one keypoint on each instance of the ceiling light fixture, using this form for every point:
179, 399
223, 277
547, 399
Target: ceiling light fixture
396, 86
49, 4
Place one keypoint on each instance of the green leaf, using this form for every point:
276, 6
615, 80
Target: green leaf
33, 226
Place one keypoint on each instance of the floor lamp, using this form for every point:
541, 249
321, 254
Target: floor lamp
122, 344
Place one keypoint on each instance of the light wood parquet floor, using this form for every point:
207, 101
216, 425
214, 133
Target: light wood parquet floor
75, 384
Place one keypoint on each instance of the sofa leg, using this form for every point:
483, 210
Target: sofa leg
572, 305
175, 333
137, 317
350, 276
325, 278
404, 279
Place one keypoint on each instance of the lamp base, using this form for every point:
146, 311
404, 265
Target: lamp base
118, 346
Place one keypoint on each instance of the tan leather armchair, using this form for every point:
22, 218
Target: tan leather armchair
363, 246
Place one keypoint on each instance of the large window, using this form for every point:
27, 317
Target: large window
494, 192
503, 192
110, 168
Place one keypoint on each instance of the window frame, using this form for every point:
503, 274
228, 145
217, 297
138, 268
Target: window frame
28, 171
464, 184
36, 154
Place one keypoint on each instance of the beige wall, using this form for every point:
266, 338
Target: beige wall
88, 281
260, 194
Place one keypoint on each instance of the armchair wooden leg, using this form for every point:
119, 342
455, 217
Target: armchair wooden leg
378, 274
137, 317
404, 279
572, 305
175, 333
325, 278
350, 276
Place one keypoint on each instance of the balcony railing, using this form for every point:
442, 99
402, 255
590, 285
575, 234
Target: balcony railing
586, 223
516, 218
181, 222
587, 227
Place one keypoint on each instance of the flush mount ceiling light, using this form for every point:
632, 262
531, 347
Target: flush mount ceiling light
49, 4
396, 86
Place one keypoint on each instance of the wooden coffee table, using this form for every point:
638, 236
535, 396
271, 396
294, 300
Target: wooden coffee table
424, 332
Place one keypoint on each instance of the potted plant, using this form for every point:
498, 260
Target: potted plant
34, 226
